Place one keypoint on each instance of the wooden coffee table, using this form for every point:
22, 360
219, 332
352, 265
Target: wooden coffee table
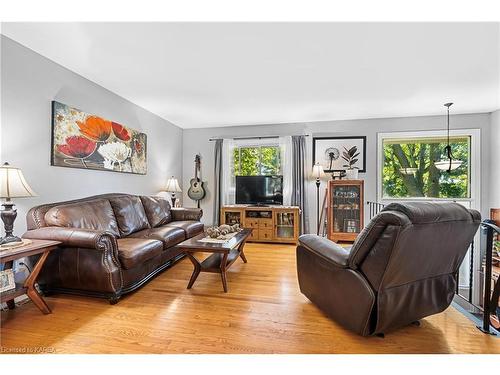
223, 255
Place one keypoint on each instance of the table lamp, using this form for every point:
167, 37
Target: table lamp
12, 185
318, 173
173, 187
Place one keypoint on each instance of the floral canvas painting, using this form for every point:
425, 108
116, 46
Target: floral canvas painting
82, 140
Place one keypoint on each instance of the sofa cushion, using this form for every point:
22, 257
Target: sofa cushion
191, 227
129, 214
134, 251
157, 210
94, 214
170, 236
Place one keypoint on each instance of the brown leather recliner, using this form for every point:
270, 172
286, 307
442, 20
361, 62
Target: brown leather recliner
401, 268
111, 243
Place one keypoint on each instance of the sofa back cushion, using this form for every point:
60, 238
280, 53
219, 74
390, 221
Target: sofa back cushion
157, 210
129, 214
95, 214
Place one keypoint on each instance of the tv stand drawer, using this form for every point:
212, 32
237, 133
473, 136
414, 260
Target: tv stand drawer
252, 223
265, 234
266, 224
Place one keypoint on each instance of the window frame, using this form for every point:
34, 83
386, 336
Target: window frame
474, 164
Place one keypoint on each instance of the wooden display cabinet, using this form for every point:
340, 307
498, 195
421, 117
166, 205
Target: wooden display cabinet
279, 224
345, 209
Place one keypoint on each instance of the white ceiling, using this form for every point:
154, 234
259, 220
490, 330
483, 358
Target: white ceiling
221, 74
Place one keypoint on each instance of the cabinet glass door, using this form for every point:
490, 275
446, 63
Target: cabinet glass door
285, 224
346, 205
232, 217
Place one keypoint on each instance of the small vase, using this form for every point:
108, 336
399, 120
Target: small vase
351, 174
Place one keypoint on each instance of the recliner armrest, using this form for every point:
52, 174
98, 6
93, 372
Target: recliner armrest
326, 249
181, 214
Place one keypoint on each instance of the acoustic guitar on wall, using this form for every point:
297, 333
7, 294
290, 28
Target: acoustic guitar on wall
196, 189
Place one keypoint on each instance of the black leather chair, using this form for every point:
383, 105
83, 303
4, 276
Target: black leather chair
401, 268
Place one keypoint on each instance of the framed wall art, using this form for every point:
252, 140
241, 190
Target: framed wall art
328, 152
7, 280
82, 140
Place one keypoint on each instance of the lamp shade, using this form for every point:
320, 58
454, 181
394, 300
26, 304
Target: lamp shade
173, 186
318, 171
13, 183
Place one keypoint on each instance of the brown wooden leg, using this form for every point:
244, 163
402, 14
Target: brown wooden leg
10, 303
223, 264
224, 280
196, 270
242, 254
30, 285
38, 300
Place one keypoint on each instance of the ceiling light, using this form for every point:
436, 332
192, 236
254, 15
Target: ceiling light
448, 164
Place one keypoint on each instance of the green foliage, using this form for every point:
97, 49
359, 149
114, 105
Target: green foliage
427, 180
255, 161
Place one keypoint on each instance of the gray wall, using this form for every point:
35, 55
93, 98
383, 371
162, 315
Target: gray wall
29, 82
197, 141
494, 161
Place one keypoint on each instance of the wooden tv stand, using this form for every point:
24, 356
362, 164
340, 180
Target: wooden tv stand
278, 224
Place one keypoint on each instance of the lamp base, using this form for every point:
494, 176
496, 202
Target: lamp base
8, 216
10, 240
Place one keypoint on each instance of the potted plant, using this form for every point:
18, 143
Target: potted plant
350, 157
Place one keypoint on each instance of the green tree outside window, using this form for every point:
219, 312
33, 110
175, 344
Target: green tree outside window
409, 170
257, 161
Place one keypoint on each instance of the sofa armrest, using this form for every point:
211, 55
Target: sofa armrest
181, 214
326, 249
74, 237
90, 259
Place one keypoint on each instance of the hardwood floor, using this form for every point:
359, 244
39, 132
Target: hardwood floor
263, 312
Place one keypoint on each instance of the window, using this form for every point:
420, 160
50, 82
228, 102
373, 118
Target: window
257, 160
408, 169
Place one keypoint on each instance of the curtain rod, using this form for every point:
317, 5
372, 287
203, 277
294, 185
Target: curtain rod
245, 138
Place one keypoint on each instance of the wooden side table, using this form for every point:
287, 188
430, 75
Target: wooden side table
7, 256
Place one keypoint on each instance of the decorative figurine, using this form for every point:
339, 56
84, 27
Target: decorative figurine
236, 228
213, 232
225, 229
222, 231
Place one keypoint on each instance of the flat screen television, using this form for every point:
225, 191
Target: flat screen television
261, 190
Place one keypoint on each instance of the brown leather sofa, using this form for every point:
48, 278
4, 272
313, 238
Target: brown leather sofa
111, 244
401, 268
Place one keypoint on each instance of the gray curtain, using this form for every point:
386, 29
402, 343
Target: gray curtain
217, 180
298, 179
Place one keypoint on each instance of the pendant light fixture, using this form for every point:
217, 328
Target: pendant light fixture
449, 163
